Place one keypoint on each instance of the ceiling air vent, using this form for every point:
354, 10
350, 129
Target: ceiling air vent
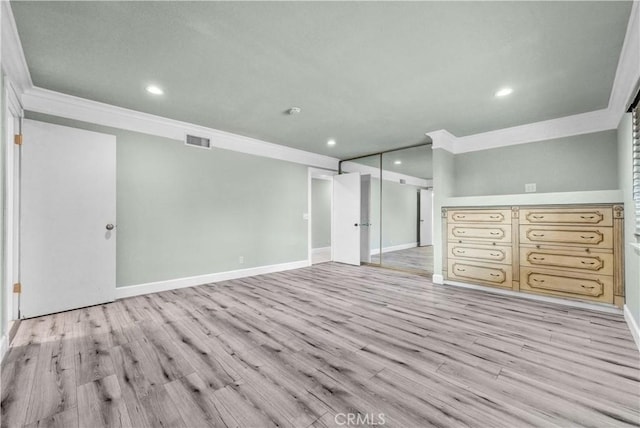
195, 141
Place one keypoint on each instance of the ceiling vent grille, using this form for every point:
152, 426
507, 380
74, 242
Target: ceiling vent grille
403, 181
195, 141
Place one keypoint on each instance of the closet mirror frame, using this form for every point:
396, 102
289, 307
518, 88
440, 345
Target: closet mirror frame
381, 171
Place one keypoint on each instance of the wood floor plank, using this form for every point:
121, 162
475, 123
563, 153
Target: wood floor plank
100, 404
304, 347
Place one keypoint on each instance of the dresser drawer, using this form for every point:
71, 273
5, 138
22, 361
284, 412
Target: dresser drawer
479, 216
566, 284
599, 263
481, 253
576, 216
477, 232
485, 273
583, 236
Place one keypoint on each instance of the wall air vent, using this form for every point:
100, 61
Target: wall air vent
194, 141
403, 181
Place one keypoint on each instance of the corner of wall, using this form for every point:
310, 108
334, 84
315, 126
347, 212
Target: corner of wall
633, 326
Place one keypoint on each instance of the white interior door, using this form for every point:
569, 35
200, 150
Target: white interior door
68, 203
426, 217
346, 218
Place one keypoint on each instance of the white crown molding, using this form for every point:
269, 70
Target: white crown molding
192, 281
585, 123
633, 325
628, 71
442, 139
54, 103
14, 63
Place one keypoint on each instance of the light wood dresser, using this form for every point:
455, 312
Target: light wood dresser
569, 251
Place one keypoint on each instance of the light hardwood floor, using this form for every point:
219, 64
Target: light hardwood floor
299, 348
417, 259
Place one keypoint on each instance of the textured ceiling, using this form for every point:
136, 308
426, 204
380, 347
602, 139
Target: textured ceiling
372, 75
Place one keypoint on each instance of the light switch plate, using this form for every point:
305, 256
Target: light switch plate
530, 187
305, 216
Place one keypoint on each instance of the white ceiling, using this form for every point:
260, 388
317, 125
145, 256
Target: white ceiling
372, 75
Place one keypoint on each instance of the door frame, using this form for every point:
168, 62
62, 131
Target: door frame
321, 174
11, 228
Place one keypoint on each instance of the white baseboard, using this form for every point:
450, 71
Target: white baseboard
437, 279
4, 346
320, 255
633, 325
395, 248
566, 302
172, 284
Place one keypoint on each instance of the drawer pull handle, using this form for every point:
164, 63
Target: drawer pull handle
587, 286
494, 216
495, 233
587, 263
538, 258
460, 251
538, 235
538, 280
538, 217
460, 216
587, 217
461, 270
587, 237
495, 254
495, 274
461, 231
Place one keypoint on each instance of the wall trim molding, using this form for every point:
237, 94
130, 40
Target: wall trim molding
565, 302
54, 103
633, 325
50, 102
4, 347
14, 63
394, 248
627, 76
192, 281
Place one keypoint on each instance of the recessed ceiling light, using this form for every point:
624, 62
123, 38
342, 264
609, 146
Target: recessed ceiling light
155, 90
331, 142
398, 162
504, 92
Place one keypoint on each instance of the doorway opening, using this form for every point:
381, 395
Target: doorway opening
320, 215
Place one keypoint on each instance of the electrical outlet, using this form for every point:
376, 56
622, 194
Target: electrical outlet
241, 260
530, 187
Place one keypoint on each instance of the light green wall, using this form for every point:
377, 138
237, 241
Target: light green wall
399, 214
632, 260
583, 162
320, 213
184, 211
443, 187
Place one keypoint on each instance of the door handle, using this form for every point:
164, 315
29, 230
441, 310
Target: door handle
110, 226
355, 224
